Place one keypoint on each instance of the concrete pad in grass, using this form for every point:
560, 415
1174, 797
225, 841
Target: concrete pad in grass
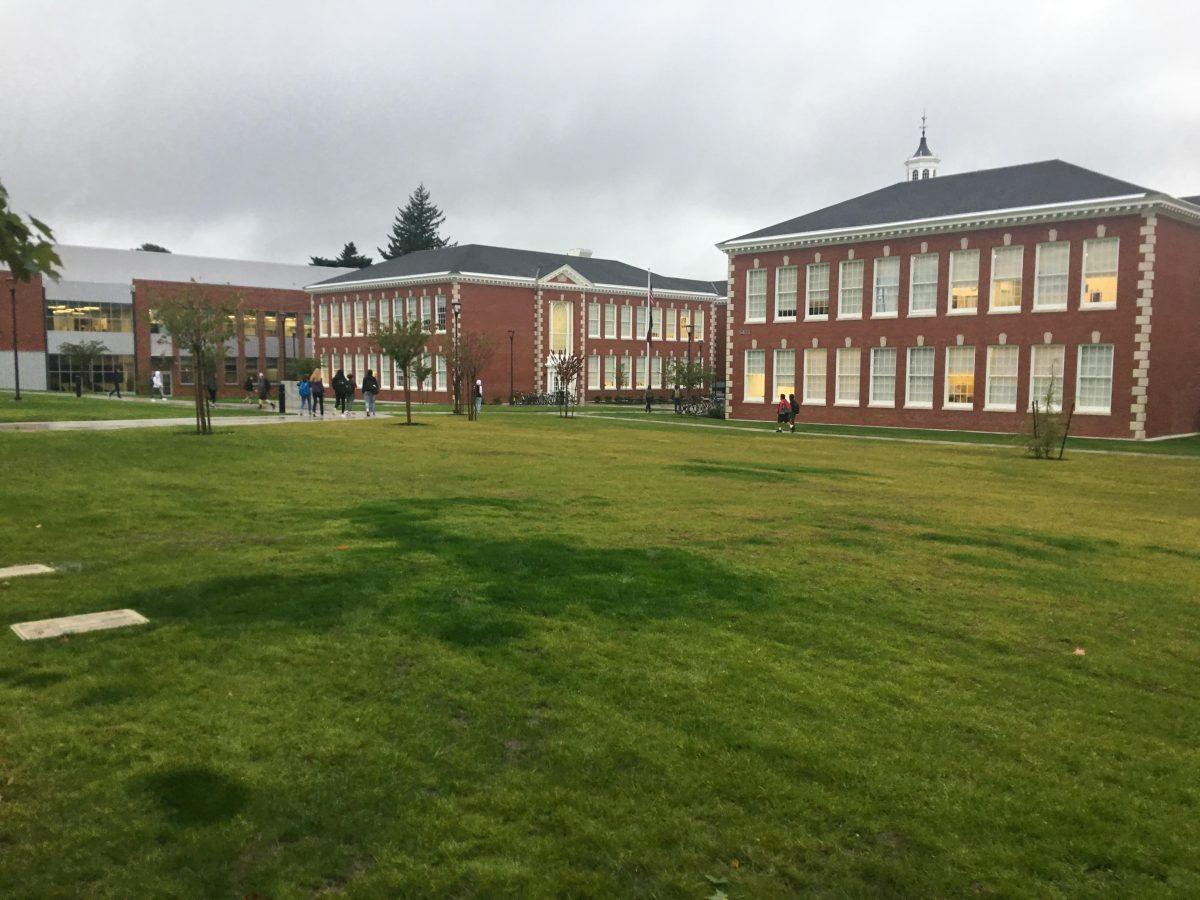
100, 621
18, 571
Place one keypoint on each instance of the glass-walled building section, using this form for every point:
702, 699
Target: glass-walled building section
68, 315
62, 371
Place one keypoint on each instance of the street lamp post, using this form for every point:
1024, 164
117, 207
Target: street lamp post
511, 334
457, 304
12, 294
689, 331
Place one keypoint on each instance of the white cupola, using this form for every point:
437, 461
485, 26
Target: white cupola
922, 164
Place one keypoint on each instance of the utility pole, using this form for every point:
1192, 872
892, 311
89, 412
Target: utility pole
511, 334
12, 293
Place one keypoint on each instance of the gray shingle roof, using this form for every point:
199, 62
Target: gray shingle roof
1195, 201
504, 261
1010, 187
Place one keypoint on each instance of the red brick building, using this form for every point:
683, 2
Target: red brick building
527, 304
953, 302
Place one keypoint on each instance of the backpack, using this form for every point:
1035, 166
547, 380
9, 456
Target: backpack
303, 386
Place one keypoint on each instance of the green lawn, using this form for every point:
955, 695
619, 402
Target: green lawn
528, 657
36, 406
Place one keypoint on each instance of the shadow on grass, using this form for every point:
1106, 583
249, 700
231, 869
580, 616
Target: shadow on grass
469, 571
194, 795
765, 472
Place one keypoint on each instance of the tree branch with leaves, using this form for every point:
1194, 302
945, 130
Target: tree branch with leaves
474, 353
404, 344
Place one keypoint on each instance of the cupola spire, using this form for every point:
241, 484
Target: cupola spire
922, 164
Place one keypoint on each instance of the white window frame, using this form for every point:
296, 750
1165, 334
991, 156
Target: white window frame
640, 323
761, 356
1039, 304
990, 376
909, 402
427, 312
843, 267
656, 372
775, 385
698, 324
440, 316
794, 274
360, 318
610, 372
1108, 304
810, 354
610, 321
670, 323
626, 322
890, 400
882, 262
756, 296
640, 377
955, 257
913, 284
627, 365
1080, 409
593, 320
1017, 250
1035, 391
946, 404
593, 374
413, 311
809, 315
845, 352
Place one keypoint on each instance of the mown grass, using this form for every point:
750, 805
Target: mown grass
528, 657
42, 406
1184, 446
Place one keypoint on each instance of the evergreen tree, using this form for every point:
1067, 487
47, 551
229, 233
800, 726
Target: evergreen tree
154, 248
350, 259
416, 227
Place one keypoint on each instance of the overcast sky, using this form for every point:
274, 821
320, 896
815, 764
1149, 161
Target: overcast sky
646, 131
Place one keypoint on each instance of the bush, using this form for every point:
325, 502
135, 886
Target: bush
716, 411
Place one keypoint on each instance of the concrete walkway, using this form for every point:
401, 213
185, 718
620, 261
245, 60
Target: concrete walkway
120, 424
767, 431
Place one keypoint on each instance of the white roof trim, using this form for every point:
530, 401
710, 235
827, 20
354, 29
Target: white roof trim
484, 277
958, 218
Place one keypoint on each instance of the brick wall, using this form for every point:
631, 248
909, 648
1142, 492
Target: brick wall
1173, 405
1071, 327
31, 314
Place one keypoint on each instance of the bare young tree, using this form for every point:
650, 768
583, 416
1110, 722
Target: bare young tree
404, 344
199, 322
474, 352
568, 372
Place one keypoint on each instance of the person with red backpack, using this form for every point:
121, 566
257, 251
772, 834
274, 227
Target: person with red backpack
784, 412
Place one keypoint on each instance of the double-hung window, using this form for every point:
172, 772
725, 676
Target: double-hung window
360, 317
785, 292
756, 295
626, 381
610, 320
412, 309
815, 370
883, 376
919, 378
887, 286
964, 282
698, 323
440, 372
594, 372
850, 289
960, 378
656, 323
656, 371
322, 320
1046, 376
440, 311
816, 292
641, 371
1093, 381
641, 323
347, 318
427, 312
922, 284
669, 320
372, 319
385, 313
593, 320
1006, 279
1001, 390
1099, 273
610, 372
754, 390
849, 366
784, 373
626, 322
1050, 285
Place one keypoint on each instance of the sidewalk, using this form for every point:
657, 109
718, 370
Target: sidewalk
120, 424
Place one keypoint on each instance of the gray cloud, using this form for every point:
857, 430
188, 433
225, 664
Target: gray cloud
645, 131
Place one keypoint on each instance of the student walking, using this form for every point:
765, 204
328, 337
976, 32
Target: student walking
264, 391
351, 387
316, 390
304, 390
156, 386
477, 395
677, 396
784, 411
339, 392
795, 410
211, 384
248, 387
118, 376
370, 387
